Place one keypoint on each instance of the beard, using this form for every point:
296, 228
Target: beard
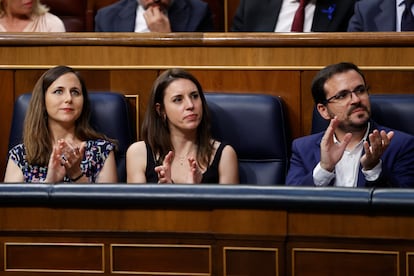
349, 125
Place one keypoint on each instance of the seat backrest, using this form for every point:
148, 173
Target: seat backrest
109, 115
74, 13
391, 110
255, 125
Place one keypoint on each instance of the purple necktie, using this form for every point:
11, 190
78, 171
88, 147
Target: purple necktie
407, 19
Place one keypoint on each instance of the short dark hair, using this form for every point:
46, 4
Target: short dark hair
318, 83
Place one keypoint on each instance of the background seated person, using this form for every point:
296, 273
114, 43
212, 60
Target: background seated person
381, 16
59, 145
155, 16
28, 16
278, 16
354, 151
178, 146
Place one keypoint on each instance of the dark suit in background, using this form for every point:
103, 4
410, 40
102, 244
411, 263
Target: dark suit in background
184, 16
262, 15
374, 16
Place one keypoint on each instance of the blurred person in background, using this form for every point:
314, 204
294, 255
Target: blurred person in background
162, 16
382, 16
278, 15
28, 16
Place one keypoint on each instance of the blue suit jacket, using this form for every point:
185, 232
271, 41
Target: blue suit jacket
397, 161
262, 15
373, 16
184, 16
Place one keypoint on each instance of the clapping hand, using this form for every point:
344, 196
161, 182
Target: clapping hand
378, 143
332, 152
65, 159
164, 171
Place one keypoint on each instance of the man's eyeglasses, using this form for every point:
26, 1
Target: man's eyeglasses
346, 95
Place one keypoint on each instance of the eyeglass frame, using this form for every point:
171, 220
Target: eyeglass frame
360, 90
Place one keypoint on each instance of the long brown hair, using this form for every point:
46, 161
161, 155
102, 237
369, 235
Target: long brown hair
36, 136
155, 130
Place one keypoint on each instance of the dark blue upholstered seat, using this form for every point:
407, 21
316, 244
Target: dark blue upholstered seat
256, 126
109, 115
391, 110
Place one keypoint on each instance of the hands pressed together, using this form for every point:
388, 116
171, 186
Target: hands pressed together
65, 160
193, 176
332, 152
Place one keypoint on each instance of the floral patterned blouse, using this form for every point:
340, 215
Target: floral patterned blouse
96, 152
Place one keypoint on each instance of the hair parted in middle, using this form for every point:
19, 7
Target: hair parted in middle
155, 130
36, 135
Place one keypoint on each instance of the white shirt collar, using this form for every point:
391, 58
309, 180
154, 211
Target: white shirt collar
363, 138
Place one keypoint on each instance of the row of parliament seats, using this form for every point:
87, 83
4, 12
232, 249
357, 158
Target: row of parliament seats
254, 124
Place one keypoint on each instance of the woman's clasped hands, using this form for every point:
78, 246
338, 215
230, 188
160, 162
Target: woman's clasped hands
65, 160
194, 174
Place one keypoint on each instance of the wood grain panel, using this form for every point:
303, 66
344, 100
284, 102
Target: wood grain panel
6, 109
256, 261
327, 224
96, 220
158, 259
249, 222
409, 259
50, 257
313, 261
201, 57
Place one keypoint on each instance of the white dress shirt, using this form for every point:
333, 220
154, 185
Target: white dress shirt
287, 13
400, 9
346, 170
140, 23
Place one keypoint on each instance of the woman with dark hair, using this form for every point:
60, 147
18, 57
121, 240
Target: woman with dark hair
59, 145
177, 144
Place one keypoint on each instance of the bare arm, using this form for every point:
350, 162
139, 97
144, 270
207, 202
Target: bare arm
136, 163
13, 173
108, 173
229, 166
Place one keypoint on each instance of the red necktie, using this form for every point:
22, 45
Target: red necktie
297, 25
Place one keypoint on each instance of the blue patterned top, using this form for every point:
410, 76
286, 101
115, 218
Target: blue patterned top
96, 152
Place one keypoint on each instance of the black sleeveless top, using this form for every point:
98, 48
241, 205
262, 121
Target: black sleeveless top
211, 175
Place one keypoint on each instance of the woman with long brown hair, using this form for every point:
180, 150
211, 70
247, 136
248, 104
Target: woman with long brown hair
177, 144
59, 145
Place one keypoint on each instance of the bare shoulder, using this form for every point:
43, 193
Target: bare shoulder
228, 150
137, 148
